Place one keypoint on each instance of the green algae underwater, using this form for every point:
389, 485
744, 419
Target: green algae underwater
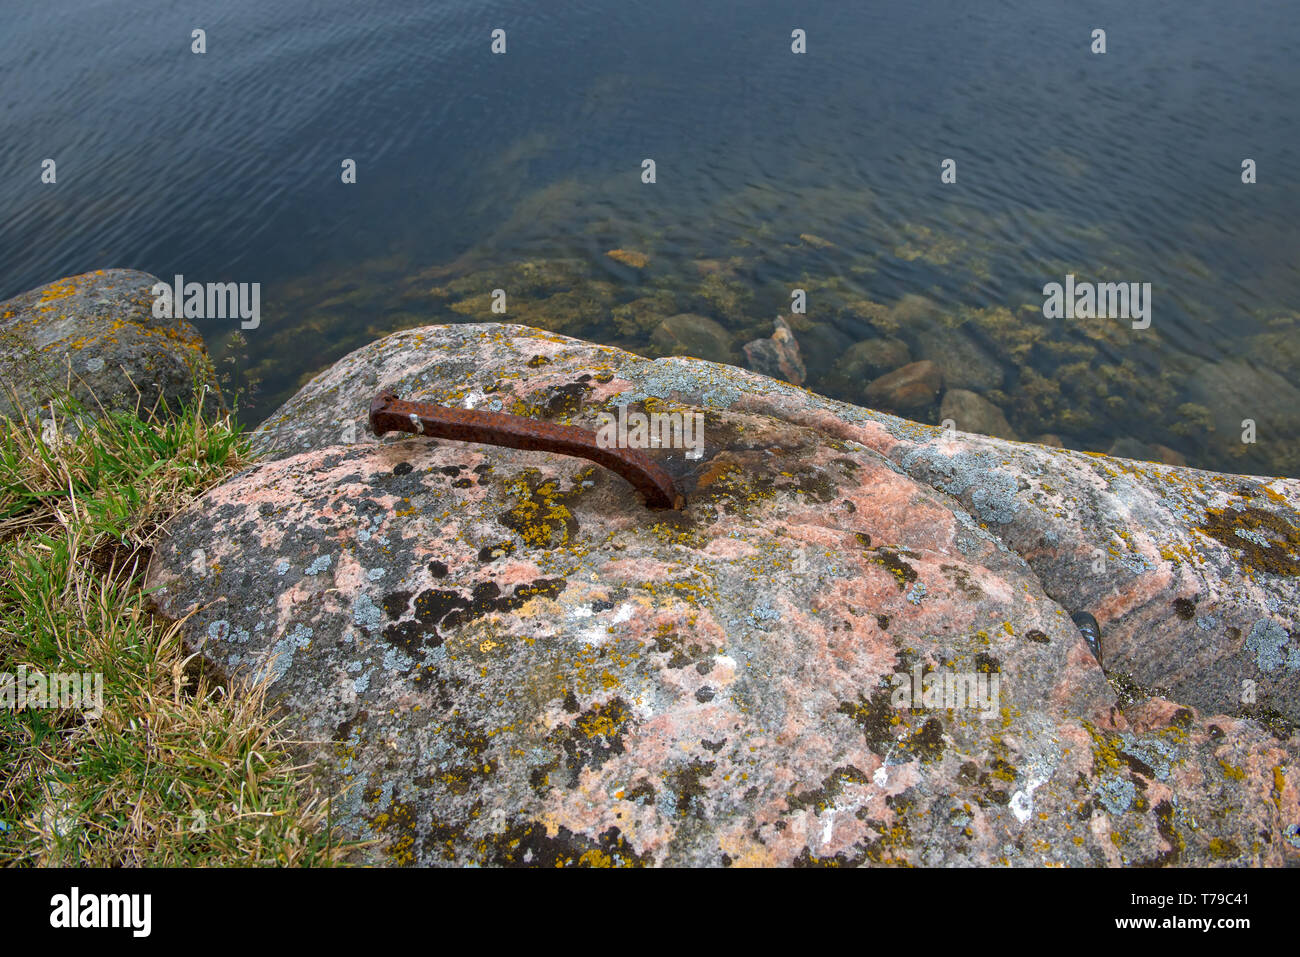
905, 292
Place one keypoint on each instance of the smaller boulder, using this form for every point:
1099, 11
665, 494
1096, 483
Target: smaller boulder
911, 389
777, 357
690, 334
95, 337
974, 413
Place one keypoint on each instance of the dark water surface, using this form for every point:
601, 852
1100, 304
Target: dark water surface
775, 171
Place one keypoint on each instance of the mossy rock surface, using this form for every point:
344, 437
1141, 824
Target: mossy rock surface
95, 336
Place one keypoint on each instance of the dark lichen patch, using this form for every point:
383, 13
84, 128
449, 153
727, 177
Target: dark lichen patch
541, 515
344, 731
961, 578
681, 652
539, 778
687, 783
1037, 636
881, 724
561, 401
891, 560
927, 743
810, 482
643, 793
528, 844
1185, 608
411, 636
894, 838
1278, 724
807, 858
1137, 764
882, 621
397, 825
1003, 770
1164, 815
443, 839
536, 362
593, 737
471, 766
439, 608
1268, 541
733, 487
863, 539
1129, 692
487, 598
490, 553
395, 604
438, 569
403, 468
819, 799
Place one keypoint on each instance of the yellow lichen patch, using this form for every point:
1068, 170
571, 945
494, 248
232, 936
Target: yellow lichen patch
1232, 771
61, 289
719, 468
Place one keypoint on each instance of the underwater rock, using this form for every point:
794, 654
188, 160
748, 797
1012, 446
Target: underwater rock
777, 356
689, 334
853, 646
865, 361
821, 345
963, 363
95, 335
629, 257
1130, 448
974, 413
911, 389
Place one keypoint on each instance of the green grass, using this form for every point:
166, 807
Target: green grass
180, 769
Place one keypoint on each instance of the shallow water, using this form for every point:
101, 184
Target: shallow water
522, 171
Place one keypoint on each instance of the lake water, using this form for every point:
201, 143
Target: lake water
774, 171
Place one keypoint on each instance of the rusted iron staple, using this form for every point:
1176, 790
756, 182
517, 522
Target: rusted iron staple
390, 413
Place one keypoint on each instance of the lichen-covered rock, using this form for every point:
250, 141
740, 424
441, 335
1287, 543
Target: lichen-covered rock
512, 661
95, 336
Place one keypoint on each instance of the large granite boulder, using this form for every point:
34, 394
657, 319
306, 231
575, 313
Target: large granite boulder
504, 657
95, 336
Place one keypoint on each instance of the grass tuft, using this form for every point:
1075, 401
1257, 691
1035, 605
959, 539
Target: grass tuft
180, 767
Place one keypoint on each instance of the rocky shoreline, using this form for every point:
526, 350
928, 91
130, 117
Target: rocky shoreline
503, 657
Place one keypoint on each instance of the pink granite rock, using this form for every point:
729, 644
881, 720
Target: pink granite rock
508, 659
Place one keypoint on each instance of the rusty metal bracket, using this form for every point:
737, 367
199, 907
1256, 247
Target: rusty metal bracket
390, 413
